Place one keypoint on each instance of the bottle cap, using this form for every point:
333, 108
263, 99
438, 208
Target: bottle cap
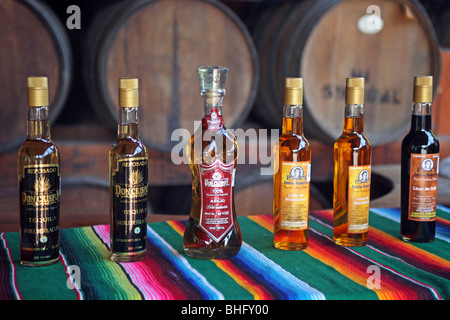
37, 89
354, 91
293, 91
423, 89
128, 92
212, 79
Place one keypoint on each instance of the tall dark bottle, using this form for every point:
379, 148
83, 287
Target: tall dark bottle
128, 177
39, 182
419, 168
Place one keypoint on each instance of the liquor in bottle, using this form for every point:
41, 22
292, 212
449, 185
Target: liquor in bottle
419, 168
292, 174
352, 171
212, 230
39, 182
128, 175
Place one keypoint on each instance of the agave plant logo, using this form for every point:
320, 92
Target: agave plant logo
135, 177
42, 185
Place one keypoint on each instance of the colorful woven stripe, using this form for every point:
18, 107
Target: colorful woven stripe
7, 273
323, 270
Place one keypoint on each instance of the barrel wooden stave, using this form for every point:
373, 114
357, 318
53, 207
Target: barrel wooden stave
320, 41
162, 43
387, 60
34, 44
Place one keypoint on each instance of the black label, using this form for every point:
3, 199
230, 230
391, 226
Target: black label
39, 187
129, 200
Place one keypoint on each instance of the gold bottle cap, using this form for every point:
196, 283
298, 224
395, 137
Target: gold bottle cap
423, 89
128, 92
293, 91
37, 89
354, 91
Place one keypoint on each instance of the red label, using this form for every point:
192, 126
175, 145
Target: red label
216, 183
213, 121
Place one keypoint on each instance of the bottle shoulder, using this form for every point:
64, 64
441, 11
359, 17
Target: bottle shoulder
223, 136
38, 148
420, 139
202, 132
353, 140
293, 142
289, 136
206, 146
128, 148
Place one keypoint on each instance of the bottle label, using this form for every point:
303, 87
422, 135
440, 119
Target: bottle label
294, 195
358, 199
216, 186
129, 204
213, 121
39, 212
423, 186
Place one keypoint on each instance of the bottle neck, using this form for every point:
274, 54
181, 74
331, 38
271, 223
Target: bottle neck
421, 116
212, 102
212, 112
293, 119
38, 124
128, 126
354, 118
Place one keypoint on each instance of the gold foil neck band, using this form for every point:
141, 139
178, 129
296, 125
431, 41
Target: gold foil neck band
354, 92
423, 89
128, 92
37, 90
293, 91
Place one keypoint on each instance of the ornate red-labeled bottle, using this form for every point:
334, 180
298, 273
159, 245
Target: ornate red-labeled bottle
39, 182
292, 176
419, 168
128, 178
212, 231
352, 171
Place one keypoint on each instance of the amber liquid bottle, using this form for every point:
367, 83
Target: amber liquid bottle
292, 174
212, 230
39, 182
128, 178
352, 164
419, 168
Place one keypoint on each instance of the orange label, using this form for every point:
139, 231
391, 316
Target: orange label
294, 195
358, 199
423, 182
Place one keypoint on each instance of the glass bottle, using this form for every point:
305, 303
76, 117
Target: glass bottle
352, 171
128, 175
212, 230
419, 168
39, 182
292, 174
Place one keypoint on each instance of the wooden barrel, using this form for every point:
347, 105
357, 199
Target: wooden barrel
326, 41
34, 43
441, 103
162, 43
442, 24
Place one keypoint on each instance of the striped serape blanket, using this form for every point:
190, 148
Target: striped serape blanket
386, 268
